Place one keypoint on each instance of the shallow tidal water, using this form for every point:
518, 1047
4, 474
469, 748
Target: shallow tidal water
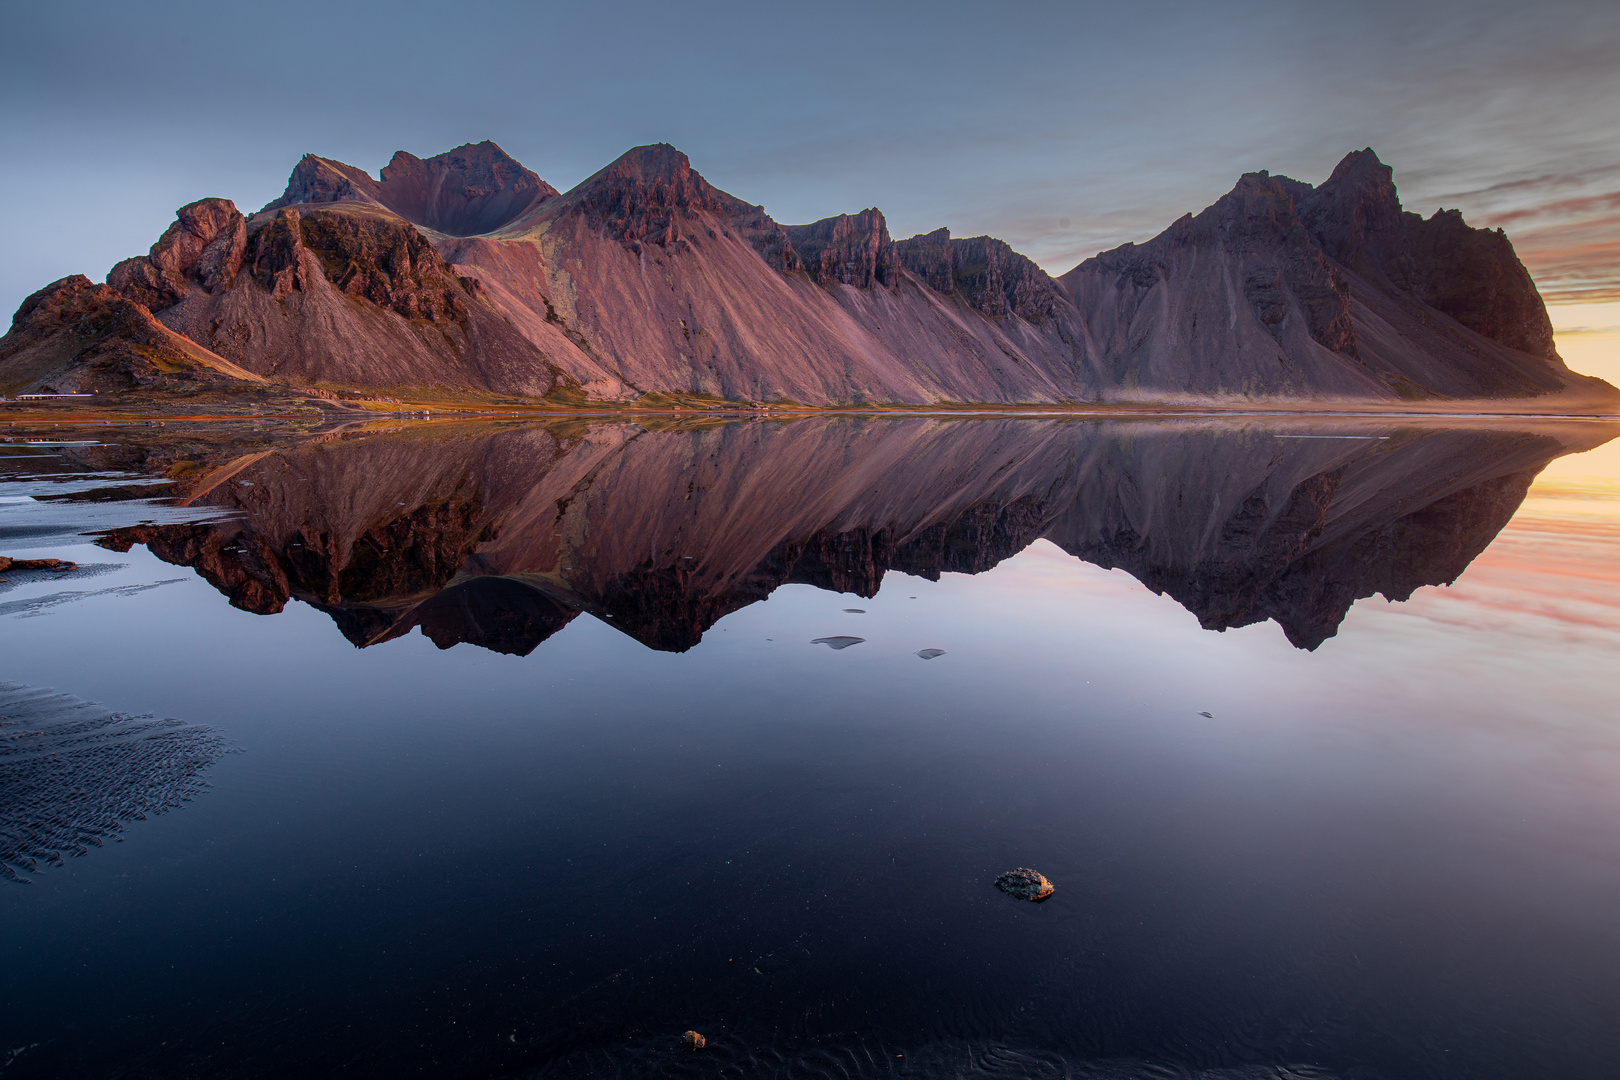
476, 752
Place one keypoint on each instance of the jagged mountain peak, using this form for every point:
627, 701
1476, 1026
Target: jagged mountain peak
1339, 267
473, 189
468, 158
319, 180
1356, 202
655, 163
1358, 166
854, 249
480, 168
986, 272
656, 175
646, 194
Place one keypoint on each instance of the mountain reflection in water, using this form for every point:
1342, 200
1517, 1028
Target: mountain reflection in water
500, 537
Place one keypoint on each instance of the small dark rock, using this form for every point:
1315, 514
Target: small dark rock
1025, 884
693, 1041
840, 642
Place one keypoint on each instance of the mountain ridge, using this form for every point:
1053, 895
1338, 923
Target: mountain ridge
467, 273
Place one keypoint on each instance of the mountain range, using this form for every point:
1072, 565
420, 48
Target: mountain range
466, 275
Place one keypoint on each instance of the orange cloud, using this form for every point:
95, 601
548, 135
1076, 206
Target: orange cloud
1570, 242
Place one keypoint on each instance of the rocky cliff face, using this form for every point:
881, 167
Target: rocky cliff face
378, 258
501, 539
1471, 275
465, 273
652, 195
385, 262
993, 278
648, 195
202, 249
317, 180
851, 249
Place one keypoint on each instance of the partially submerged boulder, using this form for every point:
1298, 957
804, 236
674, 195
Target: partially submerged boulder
1025, 884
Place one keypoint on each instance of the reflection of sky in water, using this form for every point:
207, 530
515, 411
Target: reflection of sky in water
1398, 854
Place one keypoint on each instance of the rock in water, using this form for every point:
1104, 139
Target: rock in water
841, 642
693, 1041
1025, 884
36, 564
929, 654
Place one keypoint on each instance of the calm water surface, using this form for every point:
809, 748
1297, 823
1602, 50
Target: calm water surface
510, 751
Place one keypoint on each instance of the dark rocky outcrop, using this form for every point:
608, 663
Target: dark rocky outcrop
993, 278
318, 180
387, 262
276, 260
59, 565
202, 249
370, 257
7, 564
852, 249
931, 257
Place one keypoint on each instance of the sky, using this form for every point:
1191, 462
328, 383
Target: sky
1065, 129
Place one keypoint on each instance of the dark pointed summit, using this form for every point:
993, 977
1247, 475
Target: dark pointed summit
1356, 204
655, 175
